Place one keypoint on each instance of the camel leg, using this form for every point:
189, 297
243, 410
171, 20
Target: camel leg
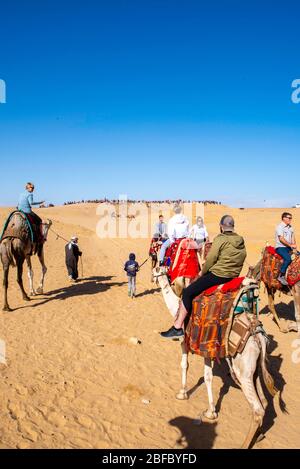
5, 287
210, 415
295, 325
260, 393
40, 288
20, 278
244, 366
273, 311
182, 395
30, 276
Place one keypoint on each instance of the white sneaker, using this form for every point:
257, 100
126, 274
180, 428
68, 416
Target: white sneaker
282, 280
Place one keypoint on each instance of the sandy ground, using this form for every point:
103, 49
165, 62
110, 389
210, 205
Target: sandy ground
73, 380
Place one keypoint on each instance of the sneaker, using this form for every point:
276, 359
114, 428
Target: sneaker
282, 280
173, 333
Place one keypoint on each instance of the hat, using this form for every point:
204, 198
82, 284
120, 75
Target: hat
227, 223
74, 238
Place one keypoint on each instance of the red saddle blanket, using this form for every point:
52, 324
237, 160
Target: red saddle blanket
206, 332
183, 259
270, 269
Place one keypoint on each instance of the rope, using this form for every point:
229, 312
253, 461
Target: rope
144, 261
59, 236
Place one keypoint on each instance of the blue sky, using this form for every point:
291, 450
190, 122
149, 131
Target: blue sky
156, 99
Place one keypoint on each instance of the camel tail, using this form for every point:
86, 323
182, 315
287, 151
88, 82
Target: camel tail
6, 251
268, 379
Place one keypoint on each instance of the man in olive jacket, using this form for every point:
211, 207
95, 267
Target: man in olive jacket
224, 262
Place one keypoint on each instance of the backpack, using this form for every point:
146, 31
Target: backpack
131, 267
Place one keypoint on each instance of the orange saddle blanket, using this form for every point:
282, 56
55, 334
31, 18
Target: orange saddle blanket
270, 269
206, 332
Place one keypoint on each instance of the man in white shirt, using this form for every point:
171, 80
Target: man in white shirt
199, 232
178, 227
285, 244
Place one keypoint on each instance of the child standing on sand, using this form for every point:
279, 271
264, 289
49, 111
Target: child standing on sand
131, 268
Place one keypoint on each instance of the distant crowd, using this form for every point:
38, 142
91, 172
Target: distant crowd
148, 202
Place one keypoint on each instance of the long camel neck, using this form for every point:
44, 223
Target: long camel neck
172, 301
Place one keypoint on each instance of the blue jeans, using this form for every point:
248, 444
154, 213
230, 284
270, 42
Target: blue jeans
163, 249
285, 253
131, 285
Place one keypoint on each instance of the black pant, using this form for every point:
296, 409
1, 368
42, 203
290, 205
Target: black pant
203, 283
72, 270
37, 220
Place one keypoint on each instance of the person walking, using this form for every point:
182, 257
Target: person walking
73, 253
131, 268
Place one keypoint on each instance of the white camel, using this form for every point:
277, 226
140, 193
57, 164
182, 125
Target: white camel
242, 367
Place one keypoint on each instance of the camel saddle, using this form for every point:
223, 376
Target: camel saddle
184, 260
11, 230
270, 269
223, 318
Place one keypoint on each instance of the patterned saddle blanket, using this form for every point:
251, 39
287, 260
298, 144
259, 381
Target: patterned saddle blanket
270, 269
219, 324
10, 230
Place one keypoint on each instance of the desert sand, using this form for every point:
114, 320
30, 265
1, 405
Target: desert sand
73, 379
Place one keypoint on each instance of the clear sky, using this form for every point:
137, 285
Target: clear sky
153, 98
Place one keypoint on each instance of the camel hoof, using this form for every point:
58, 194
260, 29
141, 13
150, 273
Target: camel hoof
292, 326
7, 309
26, 298
39, 291
209, 417
283, 326
182, 395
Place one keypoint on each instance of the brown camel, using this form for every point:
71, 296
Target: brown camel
16, 245
284, 325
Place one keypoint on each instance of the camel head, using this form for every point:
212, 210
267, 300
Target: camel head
158, 272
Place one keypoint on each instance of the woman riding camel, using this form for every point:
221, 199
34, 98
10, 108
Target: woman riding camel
25, 204
224, 262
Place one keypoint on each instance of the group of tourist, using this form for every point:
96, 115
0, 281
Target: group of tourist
224, 262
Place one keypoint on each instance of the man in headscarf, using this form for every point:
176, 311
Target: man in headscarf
72, 255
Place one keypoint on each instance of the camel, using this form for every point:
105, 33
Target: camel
243, 367
283, 324
16, 246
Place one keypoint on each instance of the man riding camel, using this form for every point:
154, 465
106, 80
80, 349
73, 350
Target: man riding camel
224, 262
25, 204
285, 244
178, 228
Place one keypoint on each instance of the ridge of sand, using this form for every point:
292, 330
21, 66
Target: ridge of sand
73, 380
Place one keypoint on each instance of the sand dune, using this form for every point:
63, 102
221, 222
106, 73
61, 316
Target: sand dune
72, 378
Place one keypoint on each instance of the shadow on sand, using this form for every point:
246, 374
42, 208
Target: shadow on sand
86, 286
285, 311
200, 436
148, 292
